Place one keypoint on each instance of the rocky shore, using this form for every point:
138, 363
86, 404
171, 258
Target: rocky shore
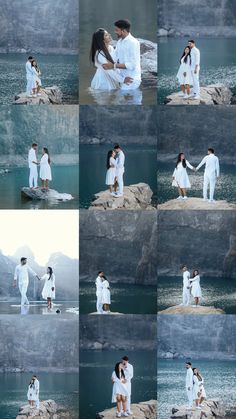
191, 310
196, 204
48, 409
44, 194
48, 96
211, 409
214, 94
143, 410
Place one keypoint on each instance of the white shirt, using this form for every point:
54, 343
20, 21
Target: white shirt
128, 52
189, 378
186, 276
28, 68
212, 167
120, 166
99, 285
36, 384
32, 157
129, 373
22, 273
195, 58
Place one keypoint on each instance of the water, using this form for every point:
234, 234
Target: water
96, 368
61, 387
140, 166
59, 70
35, 307
219, 377
218, 63
125, 298
217, 292
225, 186
92, 16
64, 179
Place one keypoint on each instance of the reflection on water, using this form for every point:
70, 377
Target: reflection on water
218, 63
117, 97
219, 377
125, 298
36, 307
216, 292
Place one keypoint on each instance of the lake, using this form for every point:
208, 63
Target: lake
65, 179
61, 387
96, 368
217, 292
219, 377
57, 70
13, 307
218, 63
92, 16
125, 298
140, 166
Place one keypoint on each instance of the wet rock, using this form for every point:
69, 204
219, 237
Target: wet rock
196, 204
143, 410
191, 310
48, 409
211, 409
214, 94
44, 194
48, 96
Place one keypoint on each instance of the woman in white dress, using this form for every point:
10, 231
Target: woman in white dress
196, 388
201, 387
48, 292
37, 84
184, 74
31, 393
195, 287
111, 170
106, 295
180, 176
45, 169
119, 391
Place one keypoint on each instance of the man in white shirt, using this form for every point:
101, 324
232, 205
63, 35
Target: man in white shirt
212, 172
189, 384
98, 283
32, 161
186, 286
195, 68
129, 373
120, 169
36, 384
127, 55
22, 276
29, 76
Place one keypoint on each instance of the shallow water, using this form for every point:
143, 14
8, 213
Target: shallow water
35, 307
218, 63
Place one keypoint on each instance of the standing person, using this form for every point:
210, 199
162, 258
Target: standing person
29, 76
196, 289
31, 393
120, 169
129, 373
119, 390
106, 295
111, 170
196, 388
189, 384
211, 173
186, 286
184, 74
37, 84
195, 68
180, 176
201, 388
98, 282
33, 167
48, 292
45, 169
37, 385
22, 276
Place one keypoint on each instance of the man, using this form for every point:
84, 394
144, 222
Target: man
189, 384
22, 276
127, 56
186, 286
129, 373
29, 76
195, 68
98, 282
32, 161
212, 172
120, 169
36, 384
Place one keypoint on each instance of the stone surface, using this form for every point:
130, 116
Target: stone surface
229, 266
48, 96
143, 410
191, 310
148, 51
135, 197
48, 409
211, 409
214, 94
50, 194
196, 204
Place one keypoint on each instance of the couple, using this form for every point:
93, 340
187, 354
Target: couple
117, 68
188, 74
103, 294
45, 173
121, 392
33, 392
115, 171
194, 387
212, 172
191, 286
21, 276
33, 80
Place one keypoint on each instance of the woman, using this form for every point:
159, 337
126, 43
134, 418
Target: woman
184, 74
36, 78
201, 387
106, 295
196, 388
195, 287
45, 169
111, 169
48, 292
119, 391
31, 394
180, 176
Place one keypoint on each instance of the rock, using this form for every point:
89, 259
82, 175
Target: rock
4, 171
211, 409
135, 197
43, 194
48, 409
162, 32
106, 314
143, 410
214, 94
196, 204
49, 95
191, 310
148, 52
229, 268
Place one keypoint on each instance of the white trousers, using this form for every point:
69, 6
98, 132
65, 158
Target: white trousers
186, 296
33, 177
29, 85
99, 303
132, 86
120, 182
23, 287
37, 403
190, 397
209, 180
128, 403
196, 84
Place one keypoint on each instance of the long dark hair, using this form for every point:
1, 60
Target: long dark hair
46, 151
109, 155
179, 160
98, 45
188, 55
117, 371
31, 384
50, 272
198, 375
195, 270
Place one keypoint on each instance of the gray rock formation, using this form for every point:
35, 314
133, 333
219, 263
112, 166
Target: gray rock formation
211, 409
127, 236
214, 94
196, 204
191, 310
229, 266
48, 96
48, 409
138, 196
44, 194
143, 410
148, 52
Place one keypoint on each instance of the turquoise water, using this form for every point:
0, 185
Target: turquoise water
65, 179
218, 63
217, 292
219, 377
35, 307
96, 368
57, 70
63, 388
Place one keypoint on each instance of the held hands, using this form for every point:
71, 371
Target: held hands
128, 80
53, 288
185, 74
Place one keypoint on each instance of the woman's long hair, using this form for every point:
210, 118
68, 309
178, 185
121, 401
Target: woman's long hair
50, 272
182, 161
31, 384
117, 371
46, 151
197, 374
98, 45
186, 57
195, 273
109, 155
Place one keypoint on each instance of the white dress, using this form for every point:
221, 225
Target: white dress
31, 393
45, 169
195, 387
180, 176
36, 78
106, 294
111, 172
48, 285
118, 387
202, 389
196, 289
185, 68
105, 79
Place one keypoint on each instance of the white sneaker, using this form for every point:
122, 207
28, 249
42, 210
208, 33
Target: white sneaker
29, 95
198, 407
118, 415
129, 412
191, 95
186, 96
196, 97
181, 94
212, 201
113, 193
205, 199
39, 94
179, 197
185, 197
125, 414
118, 195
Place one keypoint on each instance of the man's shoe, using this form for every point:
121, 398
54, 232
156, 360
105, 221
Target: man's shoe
186, 97
196, 97
212, 201
179, 197
181, 94
118, 195
118, 415
185, 197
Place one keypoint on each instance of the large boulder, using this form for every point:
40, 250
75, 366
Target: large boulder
212, 409
48, 96
214, 94
45, 194
143, 410
196, 204
191, 310
148, 52
48, 409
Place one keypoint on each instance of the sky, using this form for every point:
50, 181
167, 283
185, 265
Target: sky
43, 231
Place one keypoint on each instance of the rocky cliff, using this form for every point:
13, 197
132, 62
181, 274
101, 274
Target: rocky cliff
143, 410
213, 94
48, 409
210, 409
